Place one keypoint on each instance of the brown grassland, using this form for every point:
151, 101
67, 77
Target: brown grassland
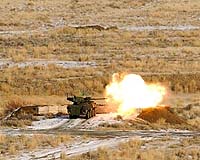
167, 56
14, 144
132, 151
35, 30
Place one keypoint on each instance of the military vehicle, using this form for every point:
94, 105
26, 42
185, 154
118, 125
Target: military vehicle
82, 107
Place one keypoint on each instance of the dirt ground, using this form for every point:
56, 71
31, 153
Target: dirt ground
85, 136
52, 48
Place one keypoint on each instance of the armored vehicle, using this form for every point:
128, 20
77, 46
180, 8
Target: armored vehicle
82, 107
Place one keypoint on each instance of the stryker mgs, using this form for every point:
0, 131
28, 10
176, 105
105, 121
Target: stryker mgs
82, 107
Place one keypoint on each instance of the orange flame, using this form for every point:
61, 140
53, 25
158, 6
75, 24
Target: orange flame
131, 92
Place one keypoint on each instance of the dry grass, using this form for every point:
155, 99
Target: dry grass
132, 150
153, 54
58, 81
11, 102
167, 56
191, 113
17, 144
17, 123
16, 13
7, 106
160, 124
170, 57
195, 122
138, 51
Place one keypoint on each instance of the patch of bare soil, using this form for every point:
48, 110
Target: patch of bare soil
152, 115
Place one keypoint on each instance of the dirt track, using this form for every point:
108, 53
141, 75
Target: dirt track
90, 145
98, 138
103, 133
81, 126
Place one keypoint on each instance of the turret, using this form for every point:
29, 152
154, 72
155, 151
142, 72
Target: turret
78, 100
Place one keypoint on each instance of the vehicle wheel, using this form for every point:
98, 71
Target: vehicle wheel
71, 117
92, 113
88, 115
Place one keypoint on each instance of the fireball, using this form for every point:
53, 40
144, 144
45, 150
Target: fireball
131, 92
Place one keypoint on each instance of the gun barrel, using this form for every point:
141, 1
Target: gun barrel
70, 98
101, 98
